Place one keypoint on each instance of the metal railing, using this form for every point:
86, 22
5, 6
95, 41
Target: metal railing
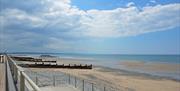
21, 79
48, 78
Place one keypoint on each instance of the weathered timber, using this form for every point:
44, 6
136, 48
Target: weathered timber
39, 63
30, 59
75, 66
23, 58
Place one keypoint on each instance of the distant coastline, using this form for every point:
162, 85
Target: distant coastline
81, 53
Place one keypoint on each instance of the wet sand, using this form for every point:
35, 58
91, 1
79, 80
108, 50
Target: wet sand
161, 67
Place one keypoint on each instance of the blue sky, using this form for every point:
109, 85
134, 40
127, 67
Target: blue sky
113, 4
90, 26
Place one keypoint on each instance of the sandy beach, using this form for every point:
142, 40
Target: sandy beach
161, 67
122, 79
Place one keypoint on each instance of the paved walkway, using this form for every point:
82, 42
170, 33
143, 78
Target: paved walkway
59, 88
2, 77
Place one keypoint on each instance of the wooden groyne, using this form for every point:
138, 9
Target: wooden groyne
39, 63
75, 66
35, 60
23, 58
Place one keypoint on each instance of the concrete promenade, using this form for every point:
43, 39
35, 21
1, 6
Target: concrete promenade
2, 76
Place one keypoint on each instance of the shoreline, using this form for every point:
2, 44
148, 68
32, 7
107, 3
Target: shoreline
134, 73
156, 69
119, 78
129, 67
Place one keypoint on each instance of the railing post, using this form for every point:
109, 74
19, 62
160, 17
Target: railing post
23, 77
104, 88
69, 79
83, 85
75, 82
14, 71
54, 83
92, 87
36, 80
22, 82
16, 75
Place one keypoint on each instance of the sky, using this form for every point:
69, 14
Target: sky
90, 26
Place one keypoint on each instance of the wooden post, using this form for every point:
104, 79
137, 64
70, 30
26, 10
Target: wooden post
4, 58
1, 58
22, 82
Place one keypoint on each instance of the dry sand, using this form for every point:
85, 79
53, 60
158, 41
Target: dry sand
133, 82
59, 88
137, 83
120, 80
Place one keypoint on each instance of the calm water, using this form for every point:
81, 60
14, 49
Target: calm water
111, 60
114, 57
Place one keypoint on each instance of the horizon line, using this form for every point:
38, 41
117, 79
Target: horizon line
83, 53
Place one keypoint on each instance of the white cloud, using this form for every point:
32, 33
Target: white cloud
153, 1
64, 45
119, 22
60, 44
16, 16
60, 15
60, 18
130, 21
130, 4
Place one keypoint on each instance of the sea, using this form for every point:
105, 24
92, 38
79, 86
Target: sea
111, 61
